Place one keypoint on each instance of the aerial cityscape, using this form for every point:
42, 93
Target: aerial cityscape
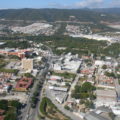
60, 60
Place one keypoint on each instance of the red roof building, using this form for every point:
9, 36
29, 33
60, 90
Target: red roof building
2, 117
23, 84
19, 53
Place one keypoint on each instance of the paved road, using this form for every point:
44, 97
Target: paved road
73, 86
28, 113
117, 87
34, 112
27, 110
116, 82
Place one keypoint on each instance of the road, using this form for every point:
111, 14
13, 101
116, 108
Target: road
26, 113
33, 113
73, 86
117, 87
60, 107
116, 82
29, 113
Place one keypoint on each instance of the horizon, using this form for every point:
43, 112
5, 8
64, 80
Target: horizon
59, 4
60, 8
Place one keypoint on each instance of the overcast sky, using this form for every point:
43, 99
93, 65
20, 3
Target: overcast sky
5, 4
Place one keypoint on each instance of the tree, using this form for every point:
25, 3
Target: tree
28, 75
67, 107
15, 104
104, 67
110, 74
4, 104
10, 116
89, 104
87, 87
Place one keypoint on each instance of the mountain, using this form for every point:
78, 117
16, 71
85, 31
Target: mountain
109, 10
51, 15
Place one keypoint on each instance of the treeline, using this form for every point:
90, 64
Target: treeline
16, 44
82, 46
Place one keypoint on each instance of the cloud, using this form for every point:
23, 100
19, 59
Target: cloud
87, 4
57, 5
114, 3
90, 3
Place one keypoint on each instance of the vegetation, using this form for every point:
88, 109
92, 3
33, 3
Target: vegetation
56, 15
49, 110
67, 107
14, 57
15, 71
29, 75
110, 74
11, 108
2, 63
104, 67
84, 91
16, 44
34, 98
81, 46
65, 75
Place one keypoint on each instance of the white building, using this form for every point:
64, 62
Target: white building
68, 63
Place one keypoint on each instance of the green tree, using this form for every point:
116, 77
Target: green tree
11, 116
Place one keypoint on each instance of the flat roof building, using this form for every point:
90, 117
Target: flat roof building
94, 116
27, 64
106, 97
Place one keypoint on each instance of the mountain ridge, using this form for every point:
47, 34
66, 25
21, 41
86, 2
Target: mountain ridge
53, 14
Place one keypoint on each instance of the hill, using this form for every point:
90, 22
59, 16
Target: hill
109, 10
51, 15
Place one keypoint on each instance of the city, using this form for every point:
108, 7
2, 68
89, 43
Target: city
60, 62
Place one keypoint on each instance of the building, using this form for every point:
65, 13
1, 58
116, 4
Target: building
27, 64
106, 97
20, 53
68, 63
62, 89
94, 116
23, 84
57, 78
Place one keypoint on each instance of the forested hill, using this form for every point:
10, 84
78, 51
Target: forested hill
52, 15
115, 11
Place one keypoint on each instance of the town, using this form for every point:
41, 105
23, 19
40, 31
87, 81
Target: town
80, 87
59, 59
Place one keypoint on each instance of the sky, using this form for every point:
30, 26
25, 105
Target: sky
6, 4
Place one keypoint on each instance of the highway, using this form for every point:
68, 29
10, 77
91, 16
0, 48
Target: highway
117, 85
34, 112
29, 113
